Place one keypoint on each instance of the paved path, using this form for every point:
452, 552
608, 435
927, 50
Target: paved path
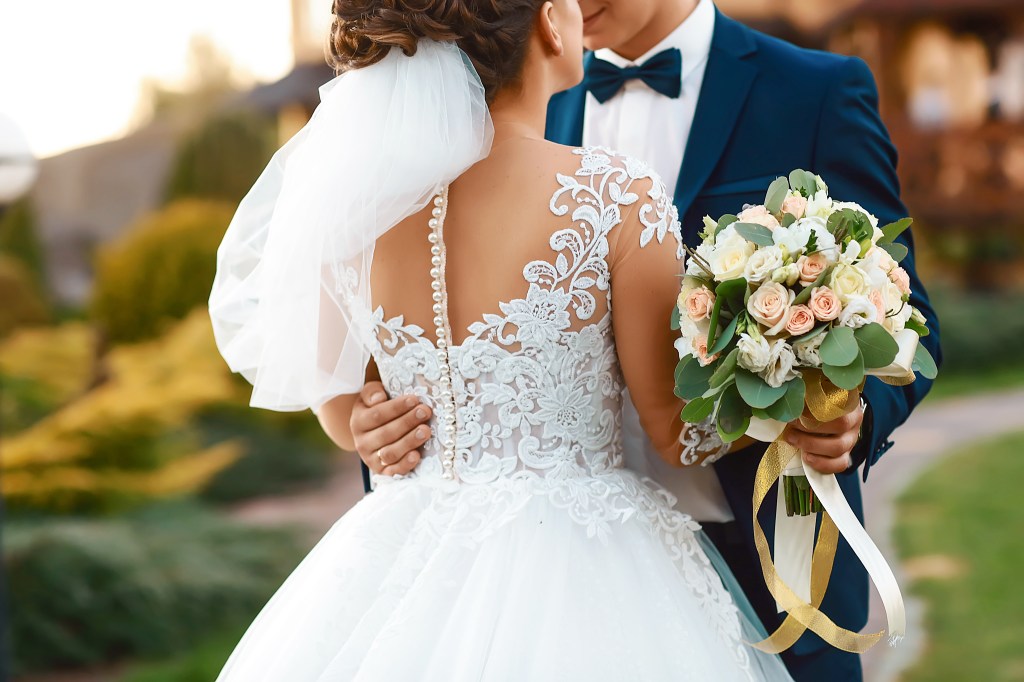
932, 432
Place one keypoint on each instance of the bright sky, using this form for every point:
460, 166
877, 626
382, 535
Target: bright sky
70, 71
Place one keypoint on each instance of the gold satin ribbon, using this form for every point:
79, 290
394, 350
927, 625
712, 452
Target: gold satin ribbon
826, 402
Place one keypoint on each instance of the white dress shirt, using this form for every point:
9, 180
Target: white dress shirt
645, 124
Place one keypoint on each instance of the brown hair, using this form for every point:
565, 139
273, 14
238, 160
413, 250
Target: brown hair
493, 33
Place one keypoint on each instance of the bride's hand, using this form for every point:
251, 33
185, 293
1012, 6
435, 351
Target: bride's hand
389, 433
827, 446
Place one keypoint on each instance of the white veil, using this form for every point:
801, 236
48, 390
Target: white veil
293, 271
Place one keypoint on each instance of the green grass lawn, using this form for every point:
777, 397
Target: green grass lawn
961, 531
959, 385
201, 664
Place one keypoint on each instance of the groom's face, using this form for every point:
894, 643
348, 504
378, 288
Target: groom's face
612, 23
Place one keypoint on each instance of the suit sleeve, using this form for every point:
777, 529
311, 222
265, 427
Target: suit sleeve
855, 156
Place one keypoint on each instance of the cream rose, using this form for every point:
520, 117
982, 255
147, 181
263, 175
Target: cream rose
769, 305
728, 260
807, 351
858, 312
795, 205
876, 300
754, 354
780, 365
801, 320
759, 215
901, 279
699, 303
763, 263
824, 304
848, 281
811, 267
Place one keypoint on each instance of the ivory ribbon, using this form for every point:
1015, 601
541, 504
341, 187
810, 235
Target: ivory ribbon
799, 580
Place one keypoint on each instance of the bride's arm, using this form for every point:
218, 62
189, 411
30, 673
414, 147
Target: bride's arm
645, 284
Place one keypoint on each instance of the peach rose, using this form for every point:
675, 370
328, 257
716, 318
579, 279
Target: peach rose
901, 279
811, 267
699, 304
824, 304
769, 305
878, 301
795, 206
700, 346
759, 215
882, 257
801, 320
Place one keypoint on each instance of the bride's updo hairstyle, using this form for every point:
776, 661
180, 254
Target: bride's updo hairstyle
493, 33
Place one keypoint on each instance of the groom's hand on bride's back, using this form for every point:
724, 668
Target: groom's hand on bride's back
827, 446
389, 433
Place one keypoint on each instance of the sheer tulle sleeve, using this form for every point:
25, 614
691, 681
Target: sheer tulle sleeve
646, 260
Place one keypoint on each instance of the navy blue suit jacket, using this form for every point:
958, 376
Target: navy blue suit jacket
767, 107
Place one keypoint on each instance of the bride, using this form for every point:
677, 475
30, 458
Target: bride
419, 230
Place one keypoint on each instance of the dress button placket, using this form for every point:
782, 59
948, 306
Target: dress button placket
442, 329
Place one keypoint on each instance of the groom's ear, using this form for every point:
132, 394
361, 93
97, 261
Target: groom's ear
547, 30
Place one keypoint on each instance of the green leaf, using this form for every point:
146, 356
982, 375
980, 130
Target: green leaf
724, 292
924, 364
804, 182
817, 331
675, 317
876, 345
757, 234
897, 250
922, 330
776, 195
733, 417
681, 366
788, 220
848, 377
791, 405
725, 221
893, 230
805, 295
725, 369
693, 381
697, 410
725, 337
839, 348
756, 392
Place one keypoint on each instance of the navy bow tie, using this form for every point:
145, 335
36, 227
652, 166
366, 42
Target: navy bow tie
662, 73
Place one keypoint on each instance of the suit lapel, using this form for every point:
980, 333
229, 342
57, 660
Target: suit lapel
727, 82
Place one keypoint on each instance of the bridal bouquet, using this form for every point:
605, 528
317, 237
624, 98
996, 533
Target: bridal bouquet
803, 293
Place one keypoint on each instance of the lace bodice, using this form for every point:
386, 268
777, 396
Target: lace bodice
537, 384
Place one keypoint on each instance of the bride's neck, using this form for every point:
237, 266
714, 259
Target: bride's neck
519, 113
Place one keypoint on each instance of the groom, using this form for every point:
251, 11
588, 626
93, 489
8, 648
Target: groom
720, 111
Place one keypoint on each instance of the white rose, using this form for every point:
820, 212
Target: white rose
857, 312
848, 281
754, 354
780, 365
820, 204
807, 351
874, 268
897, 312
684, 347
690, 330
729, 259
762, 263
840, 205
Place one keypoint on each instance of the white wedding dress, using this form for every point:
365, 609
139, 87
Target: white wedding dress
519, 549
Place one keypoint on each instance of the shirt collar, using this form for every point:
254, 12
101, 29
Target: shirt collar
692, 38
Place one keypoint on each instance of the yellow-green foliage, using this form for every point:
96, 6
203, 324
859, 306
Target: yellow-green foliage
127, 440
159, 270
57, 359
21, 302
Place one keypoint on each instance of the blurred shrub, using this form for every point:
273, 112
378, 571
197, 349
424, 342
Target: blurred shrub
42, 368
88, 592
18, 240
980, 332
223, 158
22, 304
159, 270
128, 440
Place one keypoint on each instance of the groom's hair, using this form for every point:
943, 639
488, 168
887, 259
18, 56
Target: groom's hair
493, 33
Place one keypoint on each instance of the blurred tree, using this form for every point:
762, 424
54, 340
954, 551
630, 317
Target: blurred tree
19, 240
22, 304
159, 270
223, 158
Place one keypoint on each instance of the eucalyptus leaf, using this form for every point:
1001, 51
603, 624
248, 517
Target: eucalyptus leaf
675, 317
788, 219
839, 348
725, 369
805, 295
733, 416
756, 391
754, 233
776, 195
681, 366
694, 380
921, 329
791, 405
697, 410
893, 230
724, 293
924, 364
725, 337
817, 331
848, 377
725, 221
897, 250
876, 345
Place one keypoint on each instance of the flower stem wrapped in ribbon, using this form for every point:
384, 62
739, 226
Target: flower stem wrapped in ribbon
786, 306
